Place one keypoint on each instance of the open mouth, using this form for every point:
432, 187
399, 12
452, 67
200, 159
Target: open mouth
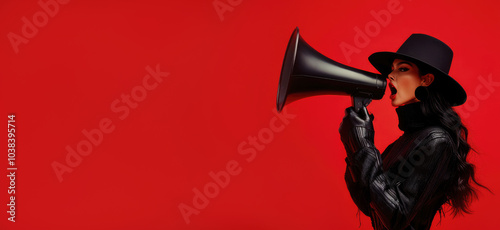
393, 89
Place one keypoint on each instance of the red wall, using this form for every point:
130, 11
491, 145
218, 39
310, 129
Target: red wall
80, 70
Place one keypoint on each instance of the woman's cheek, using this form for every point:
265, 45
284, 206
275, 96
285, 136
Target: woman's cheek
409, 87
403, 87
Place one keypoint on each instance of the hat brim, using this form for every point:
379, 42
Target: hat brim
453, 92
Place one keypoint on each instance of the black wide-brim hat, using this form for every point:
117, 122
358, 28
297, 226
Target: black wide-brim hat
433, 55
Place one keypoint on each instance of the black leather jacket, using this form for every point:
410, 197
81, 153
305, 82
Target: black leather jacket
405, 186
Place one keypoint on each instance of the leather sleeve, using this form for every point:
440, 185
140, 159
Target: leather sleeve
360, 195
395, 195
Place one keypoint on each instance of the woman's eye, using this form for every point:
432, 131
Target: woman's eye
403, 69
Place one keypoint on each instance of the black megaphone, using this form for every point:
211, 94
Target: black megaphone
306, 72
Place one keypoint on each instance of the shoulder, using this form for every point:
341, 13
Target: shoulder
434, 134
433, 139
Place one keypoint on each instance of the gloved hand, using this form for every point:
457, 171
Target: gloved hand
356, 130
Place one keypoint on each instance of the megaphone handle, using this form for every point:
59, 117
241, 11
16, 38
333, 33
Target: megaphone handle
359, 102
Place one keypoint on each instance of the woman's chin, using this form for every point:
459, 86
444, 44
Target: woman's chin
394, 102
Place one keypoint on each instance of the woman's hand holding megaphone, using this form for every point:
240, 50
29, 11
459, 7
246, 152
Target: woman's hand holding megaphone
356, 130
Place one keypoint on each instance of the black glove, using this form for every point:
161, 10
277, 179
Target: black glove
356, 130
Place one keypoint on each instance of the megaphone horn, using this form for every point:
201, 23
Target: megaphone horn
306, 72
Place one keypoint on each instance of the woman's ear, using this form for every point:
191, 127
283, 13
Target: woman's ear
427, 79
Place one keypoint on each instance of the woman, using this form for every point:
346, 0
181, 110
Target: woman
427, 166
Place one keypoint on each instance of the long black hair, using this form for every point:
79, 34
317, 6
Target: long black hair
438, 110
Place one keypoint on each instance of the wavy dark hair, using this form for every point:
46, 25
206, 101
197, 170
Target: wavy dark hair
438, 110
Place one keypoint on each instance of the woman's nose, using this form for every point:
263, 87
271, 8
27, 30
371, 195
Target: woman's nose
391, 77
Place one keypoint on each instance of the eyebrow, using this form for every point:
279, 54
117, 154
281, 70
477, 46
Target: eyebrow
403, 62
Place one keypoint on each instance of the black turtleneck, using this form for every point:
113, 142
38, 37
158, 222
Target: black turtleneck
411, 117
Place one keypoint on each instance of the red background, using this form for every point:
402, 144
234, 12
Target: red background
221, 90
